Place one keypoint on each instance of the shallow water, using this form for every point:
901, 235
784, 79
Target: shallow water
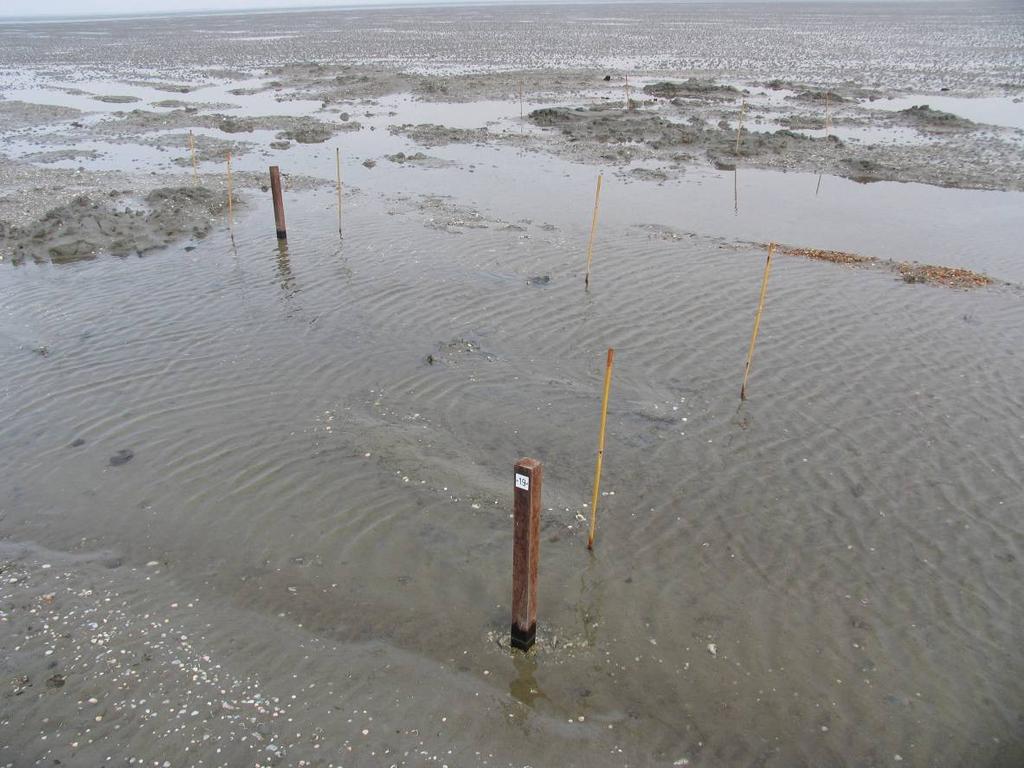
840, 539
830, 574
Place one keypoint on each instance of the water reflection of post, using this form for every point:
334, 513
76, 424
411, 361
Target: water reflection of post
736, 190
817, 189
524, 688
284, 268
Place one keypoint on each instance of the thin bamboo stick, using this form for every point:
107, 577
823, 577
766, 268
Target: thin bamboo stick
337, 160
600, 446
231, 210
593, 230
757, 320
192, 149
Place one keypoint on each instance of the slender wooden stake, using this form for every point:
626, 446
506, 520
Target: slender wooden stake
520, 99
231, 212
828, 116
757, 320
739, 126
337, 158
600, 447
593, 230
275, 191
817, 189
529, 474
192, 149
627, 91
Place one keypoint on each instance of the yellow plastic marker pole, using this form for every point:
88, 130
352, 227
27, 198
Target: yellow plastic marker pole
757, 320
593, 230
600, 447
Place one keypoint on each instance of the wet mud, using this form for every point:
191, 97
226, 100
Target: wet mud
117, 223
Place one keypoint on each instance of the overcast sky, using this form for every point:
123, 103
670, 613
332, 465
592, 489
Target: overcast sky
20, 8
90, 7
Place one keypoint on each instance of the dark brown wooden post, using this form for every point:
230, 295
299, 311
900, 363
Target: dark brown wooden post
275, 190
529, 475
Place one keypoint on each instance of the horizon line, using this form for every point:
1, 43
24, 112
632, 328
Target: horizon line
314, 5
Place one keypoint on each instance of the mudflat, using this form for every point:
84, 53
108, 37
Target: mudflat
256, 494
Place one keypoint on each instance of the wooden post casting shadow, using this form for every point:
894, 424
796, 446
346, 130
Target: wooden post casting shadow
757, 320
275, 191
529, 474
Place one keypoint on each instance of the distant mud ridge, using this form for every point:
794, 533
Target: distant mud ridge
910, 271
90, 225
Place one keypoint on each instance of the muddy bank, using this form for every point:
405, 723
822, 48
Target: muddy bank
17, 115
61, 155
164, 86
208, 148
331, 84
117, 99
418, 159
931, 120
129, 126
610, 133
194, 106
117, 223
431, 135
671, 133
79, 214
694, 88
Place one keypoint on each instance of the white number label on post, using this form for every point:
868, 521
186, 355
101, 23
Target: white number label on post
523, 481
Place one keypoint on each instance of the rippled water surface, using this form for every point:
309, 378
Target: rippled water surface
322, 434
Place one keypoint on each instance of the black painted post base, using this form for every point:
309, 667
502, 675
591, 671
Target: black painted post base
523, 640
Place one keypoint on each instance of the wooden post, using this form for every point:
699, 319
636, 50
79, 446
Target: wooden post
627, 91
192, 149
231, 212
828, 116
520, 99
337, 157
529, 475
757, 320
593, 229
600, 447
275, 191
